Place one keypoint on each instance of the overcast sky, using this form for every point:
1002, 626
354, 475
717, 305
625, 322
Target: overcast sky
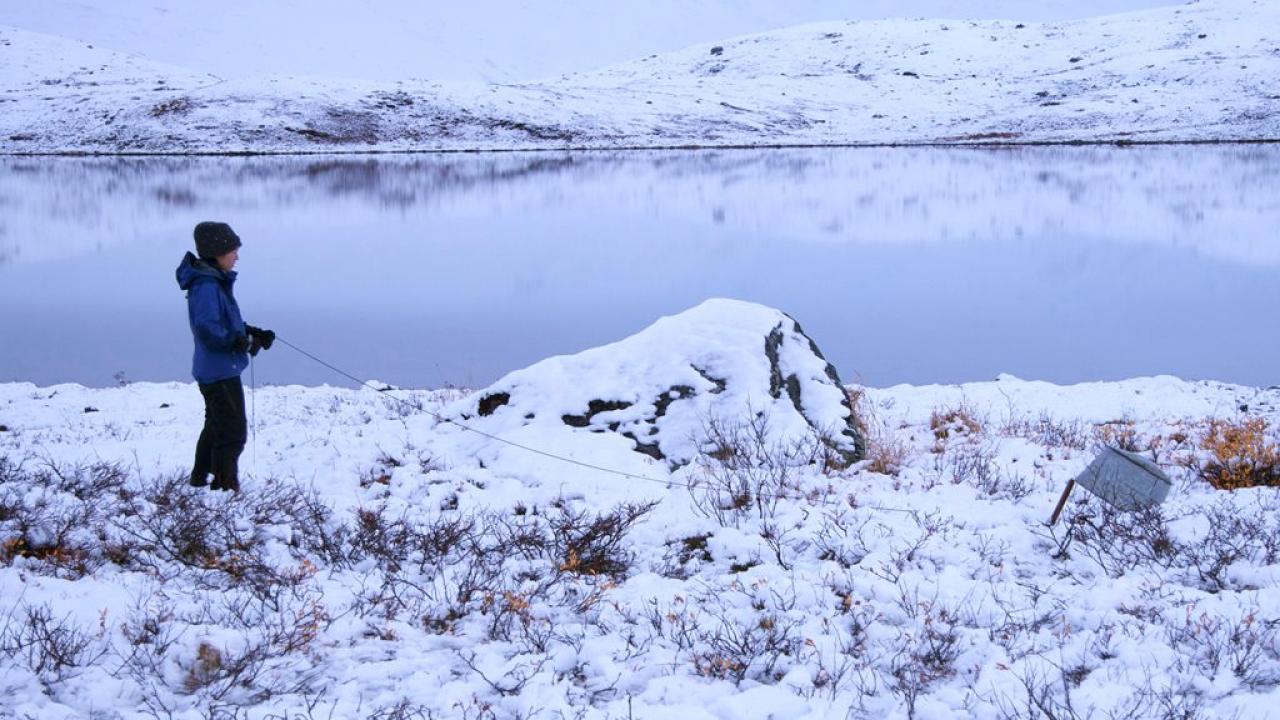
498, 40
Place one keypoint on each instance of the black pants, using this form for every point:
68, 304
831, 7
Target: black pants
224, 434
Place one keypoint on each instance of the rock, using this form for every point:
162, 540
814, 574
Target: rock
723, 362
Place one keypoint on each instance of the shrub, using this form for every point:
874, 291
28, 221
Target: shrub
1048, 431
886, 453
1122, 434
953, 423
52, 648
926, 654
1245, 645
747, 472
1119, 541
1241, 454
56, 518
1236, 533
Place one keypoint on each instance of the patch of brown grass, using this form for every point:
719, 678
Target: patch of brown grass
952, 423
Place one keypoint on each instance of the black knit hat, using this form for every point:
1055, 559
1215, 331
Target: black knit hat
214, 239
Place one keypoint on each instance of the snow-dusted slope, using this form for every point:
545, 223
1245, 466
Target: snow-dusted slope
493, 41
1197, 72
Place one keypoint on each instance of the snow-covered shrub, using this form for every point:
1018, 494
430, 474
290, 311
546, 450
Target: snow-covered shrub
1231, 533
504, 568
267, 540
54, 520
1122, 434
974, 463
952, 423
404, 709
840, 538
736, 632
1048, 431
432, 568
926, 653
746, 473
53, 648
1244, 644
232, 650
1118, 541
1213, 540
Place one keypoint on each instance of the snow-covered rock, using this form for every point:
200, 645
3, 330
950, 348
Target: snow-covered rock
666, 387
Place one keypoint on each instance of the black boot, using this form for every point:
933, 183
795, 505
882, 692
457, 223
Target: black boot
226, 475
204, 453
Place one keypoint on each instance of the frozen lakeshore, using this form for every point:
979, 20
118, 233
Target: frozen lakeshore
381, 563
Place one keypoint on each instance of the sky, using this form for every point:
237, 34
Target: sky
500, 41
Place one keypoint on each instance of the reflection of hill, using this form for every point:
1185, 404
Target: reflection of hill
1220, 200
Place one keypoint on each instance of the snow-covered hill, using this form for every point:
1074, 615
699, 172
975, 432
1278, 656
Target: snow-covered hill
1196, 72
493, 41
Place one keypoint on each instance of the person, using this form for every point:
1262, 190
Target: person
223, 344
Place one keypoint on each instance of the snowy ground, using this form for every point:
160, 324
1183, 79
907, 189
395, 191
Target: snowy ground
1200, 71
383, 564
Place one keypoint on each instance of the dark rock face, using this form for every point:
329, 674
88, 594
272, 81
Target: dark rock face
490, 403
724, 361
594, 407
857, 445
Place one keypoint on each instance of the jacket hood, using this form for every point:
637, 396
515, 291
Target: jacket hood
193, 268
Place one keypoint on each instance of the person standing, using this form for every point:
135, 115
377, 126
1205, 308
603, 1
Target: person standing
223, 344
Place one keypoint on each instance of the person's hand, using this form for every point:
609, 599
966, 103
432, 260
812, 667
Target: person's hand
242, 343
261, 338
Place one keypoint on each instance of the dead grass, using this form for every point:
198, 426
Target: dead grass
950, 423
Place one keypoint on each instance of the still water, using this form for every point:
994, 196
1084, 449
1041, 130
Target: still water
905, 265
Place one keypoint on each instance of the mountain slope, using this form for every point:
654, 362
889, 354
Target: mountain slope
495, 41
1194, 73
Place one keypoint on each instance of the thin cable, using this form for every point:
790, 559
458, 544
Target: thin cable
667, 483
253, 413
468, 428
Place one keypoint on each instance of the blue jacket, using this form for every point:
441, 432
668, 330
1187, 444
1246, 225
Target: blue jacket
215, 320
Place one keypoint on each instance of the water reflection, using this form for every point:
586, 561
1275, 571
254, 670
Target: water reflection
907, 265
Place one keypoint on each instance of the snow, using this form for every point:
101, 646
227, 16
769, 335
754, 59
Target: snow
409, 553
1197, 72
930, 589
497, 41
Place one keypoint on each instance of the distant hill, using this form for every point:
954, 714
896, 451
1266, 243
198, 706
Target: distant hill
496, 40
1200, 72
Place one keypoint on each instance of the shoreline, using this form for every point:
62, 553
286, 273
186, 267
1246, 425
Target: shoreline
696, 147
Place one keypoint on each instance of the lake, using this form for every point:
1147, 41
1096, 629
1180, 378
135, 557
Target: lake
906, 265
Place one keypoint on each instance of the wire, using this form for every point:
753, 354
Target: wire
443, 419
417, 408
253, 413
